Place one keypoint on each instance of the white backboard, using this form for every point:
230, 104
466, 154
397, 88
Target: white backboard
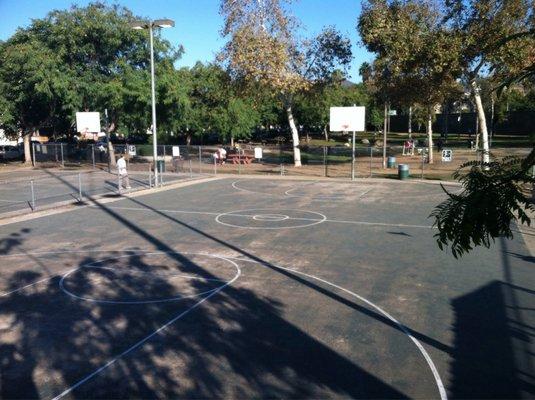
258, 152
88, 122
347, 119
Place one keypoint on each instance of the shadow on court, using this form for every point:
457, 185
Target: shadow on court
56, 341
52, 341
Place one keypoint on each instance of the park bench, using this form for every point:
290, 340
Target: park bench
240, 158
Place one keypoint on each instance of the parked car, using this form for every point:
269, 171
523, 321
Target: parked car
10, 153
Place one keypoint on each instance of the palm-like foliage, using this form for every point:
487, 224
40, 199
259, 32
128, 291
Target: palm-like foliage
493, 197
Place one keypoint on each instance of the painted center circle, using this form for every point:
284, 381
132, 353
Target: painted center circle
270, 218
149, 278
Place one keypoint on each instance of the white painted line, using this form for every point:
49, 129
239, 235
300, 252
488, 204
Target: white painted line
335, 198
44, 253
317, 220
27, 286
140, 302
425, 354
146, 338
260, 211
160, 210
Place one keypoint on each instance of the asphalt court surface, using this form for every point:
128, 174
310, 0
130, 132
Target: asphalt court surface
261, 288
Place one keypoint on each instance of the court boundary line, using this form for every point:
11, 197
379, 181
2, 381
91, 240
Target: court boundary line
141, 302
285, 195
405, 330
367, 223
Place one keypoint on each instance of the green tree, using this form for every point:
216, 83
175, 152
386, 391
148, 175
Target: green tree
491, 199
313, 107
81, 59
417, 59
496, 40
263, 51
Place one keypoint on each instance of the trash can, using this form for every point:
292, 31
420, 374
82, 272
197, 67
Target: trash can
161, 165
391, 162
403, 171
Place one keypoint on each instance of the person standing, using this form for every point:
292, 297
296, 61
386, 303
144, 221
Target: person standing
122, 173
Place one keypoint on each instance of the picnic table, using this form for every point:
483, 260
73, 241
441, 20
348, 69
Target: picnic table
240, 158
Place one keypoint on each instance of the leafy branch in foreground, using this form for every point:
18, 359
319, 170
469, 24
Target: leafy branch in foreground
493, 196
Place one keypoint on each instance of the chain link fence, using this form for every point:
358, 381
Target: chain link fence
319, 161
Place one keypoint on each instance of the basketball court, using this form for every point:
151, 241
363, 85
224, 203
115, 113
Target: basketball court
261, 287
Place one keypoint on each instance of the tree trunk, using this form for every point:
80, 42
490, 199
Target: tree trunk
410, 122
429, 129
326, 133
232, 141
295, 137
188, 139
111, 152
385, 122
482, 123
27, 148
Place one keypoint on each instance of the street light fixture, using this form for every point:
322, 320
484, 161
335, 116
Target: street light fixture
150, 25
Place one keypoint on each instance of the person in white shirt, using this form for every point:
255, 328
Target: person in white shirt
222, 155
123, 173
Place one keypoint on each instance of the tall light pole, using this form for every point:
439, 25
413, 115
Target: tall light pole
150, 25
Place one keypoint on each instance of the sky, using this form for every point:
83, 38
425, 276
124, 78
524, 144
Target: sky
198, 23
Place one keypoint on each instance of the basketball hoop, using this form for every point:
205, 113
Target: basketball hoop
345, 127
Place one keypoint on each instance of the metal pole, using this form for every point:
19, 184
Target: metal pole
80, 187
62, 160
153, 96
423, 158
410, 121
161, 174
200, 160
190, 169
371, 159
33, 195
384, 135
33, 148
108, 139
353, 158
93, 155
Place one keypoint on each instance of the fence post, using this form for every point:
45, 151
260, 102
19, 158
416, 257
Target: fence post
93, 155
190, 169
33, 148
215, 166
150, 176
200, 160
353, 157
423, 158
371, 159
80, 187
160, 168
62, 160
325, 161
33, 195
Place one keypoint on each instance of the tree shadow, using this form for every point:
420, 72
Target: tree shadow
493, 356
